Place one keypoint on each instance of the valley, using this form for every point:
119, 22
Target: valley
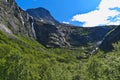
35, 46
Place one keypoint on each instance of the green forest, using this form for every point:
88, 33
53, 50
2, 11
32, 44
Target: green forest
25, 59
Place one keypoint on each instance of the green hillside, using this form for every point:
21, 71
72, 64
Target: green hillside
41, 48
25, 59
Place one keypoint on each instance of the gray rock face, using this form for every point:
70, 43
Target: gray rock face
49, 35
112, 37
15, 20
68, 36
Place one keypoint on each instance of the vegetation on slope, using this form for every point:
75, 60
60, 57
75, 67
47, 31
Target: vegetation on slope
25, 59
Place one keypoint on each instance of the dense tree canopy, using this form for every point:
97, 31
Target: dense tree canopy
25, 59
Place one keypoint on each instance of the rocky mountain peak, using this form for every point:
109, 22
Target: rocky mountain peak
42, 14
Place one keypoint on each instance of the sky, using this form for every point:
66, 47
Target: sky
86, 13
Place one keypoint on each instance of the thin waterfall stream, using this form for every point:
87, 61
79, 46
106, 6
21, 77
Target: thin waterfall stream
33, 30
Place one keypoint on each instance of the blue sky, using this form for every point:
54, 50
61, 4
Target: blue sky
78, 11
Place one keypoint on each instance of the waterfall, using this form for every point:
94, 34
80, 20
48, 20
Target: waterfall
33, 30
21, 17
22, 20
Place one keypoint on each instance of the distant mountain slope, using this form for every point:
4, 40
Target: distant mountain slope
112, 37
51, 33
64, 35
42, 14
68, 36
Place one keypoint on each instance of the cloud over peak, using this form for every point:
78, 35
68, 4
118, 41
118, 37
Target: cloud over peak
107, 13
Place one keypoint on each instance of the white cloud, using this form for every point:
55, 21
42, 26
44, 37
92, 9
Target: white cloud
101, 15
66, 22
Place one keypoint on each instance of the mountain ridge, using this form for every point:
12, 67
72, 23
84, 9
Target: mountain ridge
40, 25
62, 35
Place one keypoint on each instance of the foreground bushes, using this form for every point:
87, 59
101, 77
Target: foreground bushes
25, 59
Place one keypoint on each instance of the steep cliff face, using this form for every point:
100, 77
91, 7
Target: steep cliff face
13, 20
50, 35
112, 37
67, 35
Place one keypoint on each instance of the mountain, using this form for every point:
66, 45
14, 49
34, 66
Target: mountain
40, 25
112, 37
42, 14
13, 20
68, 36
23, 56
51, 33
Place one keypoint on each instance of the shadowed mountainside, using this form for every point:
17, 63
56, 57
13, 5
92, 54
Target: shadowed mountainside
50, 33
112, 37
